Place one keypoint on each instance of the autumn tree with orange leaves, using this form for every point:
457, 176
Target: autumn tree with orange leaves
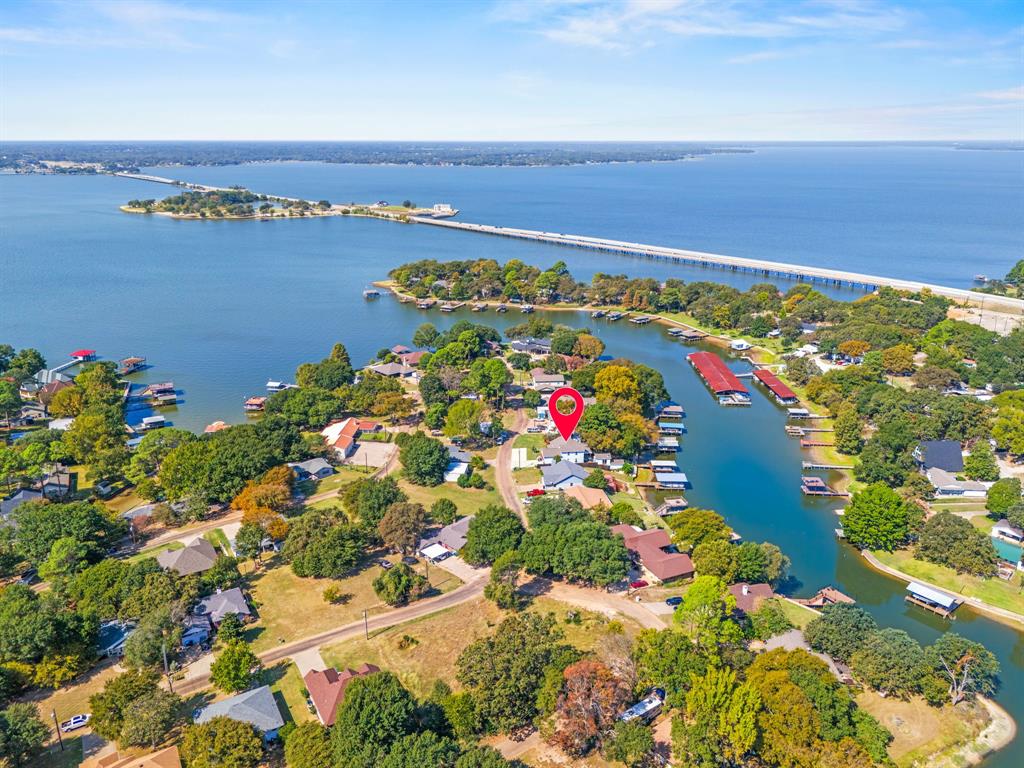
592, 696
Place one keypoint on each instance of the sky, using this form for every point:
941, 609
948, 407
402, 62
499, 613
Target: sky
645, 70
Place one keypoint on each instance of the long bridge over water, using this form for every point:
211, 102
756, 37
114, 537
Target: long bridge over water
763, 267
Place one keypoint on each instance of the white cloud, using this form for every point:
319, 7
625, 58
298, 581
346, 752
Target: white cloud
1016, 93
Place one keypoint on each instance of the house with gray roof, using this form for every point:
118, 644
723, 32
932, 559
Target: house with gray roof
562, 475
452, 537
221, 603
315, 469
575, 451
256, 707
940, 454
11, 503
197, 557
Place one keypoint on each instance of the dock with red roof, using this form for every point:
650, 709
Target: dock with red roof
783, 394
720, 380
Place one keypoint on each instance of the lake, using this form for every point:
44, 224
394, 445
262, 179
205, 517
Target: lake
220, 307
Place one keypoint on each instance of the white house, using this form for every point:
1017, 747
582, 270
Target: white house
569, 450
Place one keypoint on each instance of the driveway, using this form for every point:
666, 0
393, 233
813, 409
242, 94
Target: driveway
460, 568
503, 468
369, 454
307, 660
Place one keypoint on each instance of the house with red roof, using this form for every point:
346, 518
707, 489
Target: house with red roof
652, 550
340, 436
750, 596
327, 688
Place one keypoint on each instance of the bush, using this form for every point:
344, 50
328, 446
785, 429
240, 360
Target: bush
400, 585
444, 512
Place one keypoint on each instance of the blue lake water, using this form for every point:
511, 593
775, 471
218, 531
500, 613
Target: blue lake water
220, 307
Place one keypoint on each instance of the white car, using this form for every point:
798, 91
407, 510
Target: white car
76, 722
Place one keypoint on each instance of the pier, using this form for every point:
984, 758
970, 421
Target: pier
760, 267
817, 465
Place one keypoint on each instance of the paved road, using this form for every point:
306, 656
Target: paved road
504, 478
419, 609
178, 534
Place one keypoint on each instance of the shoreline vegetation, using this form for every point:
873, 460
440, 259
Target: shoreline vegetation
109, 157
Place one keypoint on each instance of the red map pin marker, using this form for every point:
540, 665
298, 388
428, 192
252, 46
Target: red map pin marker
566, 422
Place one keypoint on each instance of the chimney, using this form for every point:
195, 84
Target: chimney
746, 589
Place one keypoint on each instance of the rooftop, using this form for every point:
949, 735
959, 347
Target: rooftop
197, 557
716, 373
327, 688
650, 546
590, 498
220, 604
256, 707
749, 595
562, 471
940, 454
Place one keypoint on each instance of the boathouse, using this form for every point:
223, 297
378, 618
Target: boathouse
931, 599
783, 394
671, 480
723, 382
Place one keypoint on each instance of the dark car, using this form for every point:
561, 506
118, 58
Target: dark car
409, 560
673, 601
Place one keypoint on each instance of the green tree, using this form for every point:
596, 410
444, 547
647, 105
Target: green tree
890, 661
424, 460
716, 558
695, 526
877, 518
485, 757
249, 541
321, 546
367, 500
308, 746
399, 585
581, 550
493, 531
444, 512
113, 706
596, 479
402, 526
631, 744
416, 750
840, 630
233, 669
769, 620
721, 723
150, 718
706, 614
1003, 494
980, 464
504, 672
951, 541
847, 428
667, 659
376, 712
965, 667
67, 556
221, 743
425, 336
22, 734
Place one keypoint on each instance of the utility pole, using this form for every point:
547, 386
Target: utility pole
56, 725
366, 624
167, 669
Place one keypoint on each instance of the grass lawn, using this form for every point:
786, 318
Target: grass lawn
289, 692
155, 551
124, 501
533, 442
920, 732
983, 523
799, 615
991, 591
219, 539
54, 758
526, 475
468, 500
628, 498
70, 700
437, 640
290, 607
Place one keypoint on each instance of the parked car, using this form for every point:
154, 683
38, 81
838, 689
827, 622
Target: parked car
76, 722
674, 601
29, 576
384, 563
536, 492
409, 560
638, 584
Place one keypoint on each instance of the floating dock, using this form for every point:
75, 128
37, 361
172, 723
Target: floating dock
815, 486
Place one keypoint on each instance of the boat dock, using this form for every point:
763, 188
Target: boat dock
720, 380
641, 319
425, 303
451, 307
931, 599
803, 413
817, 465
815, 444
815, 486
782, 394
798, 272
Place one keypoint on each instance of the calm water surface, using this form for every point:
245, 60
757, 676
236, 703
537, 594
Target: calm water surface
220, 307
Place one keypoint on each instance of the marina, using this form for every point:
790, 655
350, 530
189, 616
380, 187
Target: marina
726, 387
782, 393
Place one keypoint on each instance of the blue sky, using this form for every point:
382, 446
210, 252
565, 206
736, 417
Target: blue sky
513, 69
